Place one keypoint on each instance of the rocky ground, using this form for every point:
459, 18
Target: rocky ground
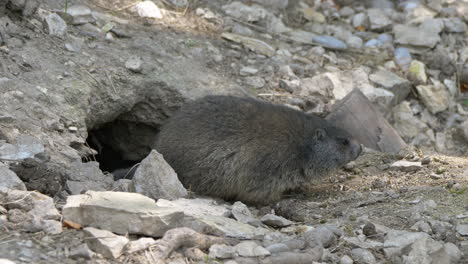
85, 86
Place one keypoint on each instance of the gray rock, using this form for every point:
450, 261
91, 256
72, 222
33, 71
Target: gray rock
360, 20
204, 214
134, 64
425, 206
402, 57
10, 180
406, 166
223, 226
277, 247
252, 13
452, 254
428, 250
421, 226
329, 42
222, 251
25, 147
81, 251
179, 3
139, 245
55, 25
275, 25
378, 19
156, 179
356, 242
36, 211
454, 25
290, 85
464, 128
406, 123
251, 43
346, 11
121, 213
435, 97
275, 221
87, 176
251, 249
80, 14
462, 229
425, 35
105, 242
254, 81
396, 240
346, 260
320, 236
195, 207
122, 185
273, 3
354, 42
246, 71
400, 87
363, 256
302, 36
242, 213
147, 9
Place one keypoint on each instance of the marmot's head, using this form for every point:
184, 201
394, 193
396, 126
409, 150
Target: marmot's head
327, 149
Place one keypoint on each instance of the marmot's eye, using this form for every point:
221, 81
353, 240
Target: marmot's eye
344, 141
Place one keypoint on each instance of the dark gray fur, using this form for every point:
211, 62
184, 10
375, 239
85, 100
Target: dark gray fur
249, 150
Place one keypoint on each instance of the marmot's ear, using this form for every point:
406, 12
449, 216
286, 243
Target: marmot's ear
320, 134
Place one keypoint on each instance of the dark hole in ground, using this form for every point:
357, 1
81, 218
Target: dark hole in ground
120, 145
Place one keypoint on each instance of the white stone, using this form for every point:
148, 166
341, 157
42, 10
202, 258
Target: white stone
251, 249
156, 179
197, 207
139, 245
246, 71
148, 9
222, 251
81, 14
121, 213
346, 260
6, 261
105, 242
134, 64
404, 165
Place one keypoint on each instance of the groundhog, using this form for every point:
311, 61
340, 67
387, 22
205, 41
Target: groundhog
244, 149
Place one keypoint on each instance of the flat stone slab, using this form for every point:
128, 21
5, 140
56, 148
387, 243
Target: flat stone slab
121, 213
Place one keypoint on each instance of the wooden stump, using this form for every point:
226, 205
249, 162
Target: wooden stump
356, 114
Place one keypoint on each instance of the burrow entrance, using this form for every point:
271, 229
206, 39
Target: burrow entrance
120, 144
